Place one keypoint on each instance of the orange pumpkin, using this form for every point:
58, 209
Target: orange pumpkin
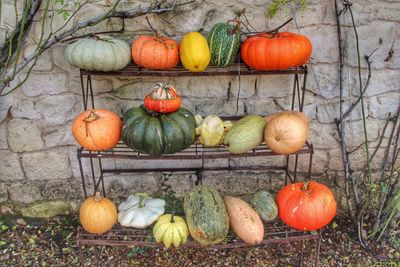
283, 50
306, 206
163, 99
155, 52
286, 132
98, 129
244, 221
97, 214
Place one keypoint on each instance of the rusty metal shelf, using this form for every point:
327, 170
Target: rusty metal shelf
275, 232
180, 71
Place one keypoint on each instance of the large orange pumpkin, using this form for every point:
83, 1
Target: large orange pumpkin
306, 206
286, 132
155, 52
283, 50
98, 129
97, 214
244, 221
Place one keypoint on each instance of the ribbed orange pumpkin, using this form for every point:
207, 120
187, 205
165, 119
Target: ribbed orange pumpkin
155, 52
306, 206
276, 51
244, 220
286, 132
97, 214
98, 129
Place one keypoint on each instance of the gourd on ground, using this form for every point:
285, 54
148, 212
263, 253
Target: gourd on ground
244, 220
224, 41
158, 134
211, 130
98, 129
194, 53
286, 132
140, 210
101, 53
206, 215
97, 214
246, 134
155, 52
162, 99
265, 205
274, 51
170, 229
306, 206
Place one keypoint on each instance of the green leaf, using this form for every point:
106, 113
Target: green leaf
4, 227
334, 225
2, 242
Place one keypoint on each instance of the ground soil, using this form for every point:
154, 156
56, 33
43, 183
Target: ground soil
53, 243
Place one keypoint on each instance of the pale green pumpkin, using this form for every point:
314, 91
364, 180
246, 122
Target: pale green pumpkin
103, 53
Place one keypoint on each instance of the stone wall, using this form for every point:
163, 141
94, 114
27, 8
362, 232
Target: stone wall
38, 152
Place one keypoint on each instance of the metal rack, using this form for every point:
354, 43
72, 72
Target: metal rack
120, 236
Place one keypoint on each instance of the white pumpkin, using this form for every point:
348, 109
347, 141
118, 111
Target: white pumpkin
140, 211
211, 130
103, 53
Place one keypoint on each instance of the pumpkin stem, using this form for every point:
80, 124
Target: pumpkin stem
275, 31
142, 197
172, 216
305, 185
97, 196
91, 117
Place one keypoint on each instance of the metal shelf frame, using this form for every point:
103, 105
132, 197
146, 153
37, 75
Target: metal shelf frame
121, 236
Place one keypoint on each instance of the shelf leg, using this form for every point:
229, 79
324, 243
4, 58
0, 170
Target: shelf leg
303, 91
295, 88
81, 256
301, 263
82, 175
318, 241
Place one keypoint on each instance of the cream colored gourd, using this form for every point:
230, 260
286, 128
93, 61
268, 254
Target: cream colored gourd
211, 130
246, 134
103, 53
170, 230
244, 220
140, 211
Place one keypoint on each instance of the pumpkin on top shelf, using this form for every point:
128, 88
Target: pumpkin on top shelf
286, 132
306, 206
97, 129
194, 52
276, 51
101, 53
224, 41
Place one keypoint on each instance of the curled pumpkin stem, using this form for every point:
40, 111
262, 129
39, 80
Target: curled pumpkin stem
91, 117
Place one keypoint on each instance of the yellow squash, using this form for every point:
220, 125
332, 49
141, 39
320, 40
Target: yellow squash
170, 229
194, 52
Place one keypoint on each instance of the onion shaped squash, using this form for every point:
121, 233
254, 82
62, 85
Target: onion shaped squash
140, 211
155, 52
282, 50
206, 215
286, 132
163, 99
306, 206
102, 53
158, 134
244, 221
170, 229
97, 214
224, 42
98, 129
195, 54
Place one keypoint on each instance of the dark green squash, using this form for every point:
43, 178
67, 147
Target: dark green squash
158, 134
206, 215
224, 41
265, 205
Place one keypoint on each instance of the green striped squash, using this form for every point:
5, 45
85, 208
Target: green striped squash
265, 205
206, 215
224, 42
158, 134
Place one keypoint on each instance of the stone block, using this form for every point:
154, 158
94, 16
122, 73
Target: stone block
329, 111
3, 136
45, 84
181, 183
324, 51
3, 193
354, 131
46, 209
58, 109
24, 109
335, 160
319, 162
323, 80
322, 136
6, 103
59, 136
24, 135
274, 86
219, 107
261, 107
46, 165
248, 86
207, 87
24, 193
62, 189
44, 62
10, 167
380, 106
